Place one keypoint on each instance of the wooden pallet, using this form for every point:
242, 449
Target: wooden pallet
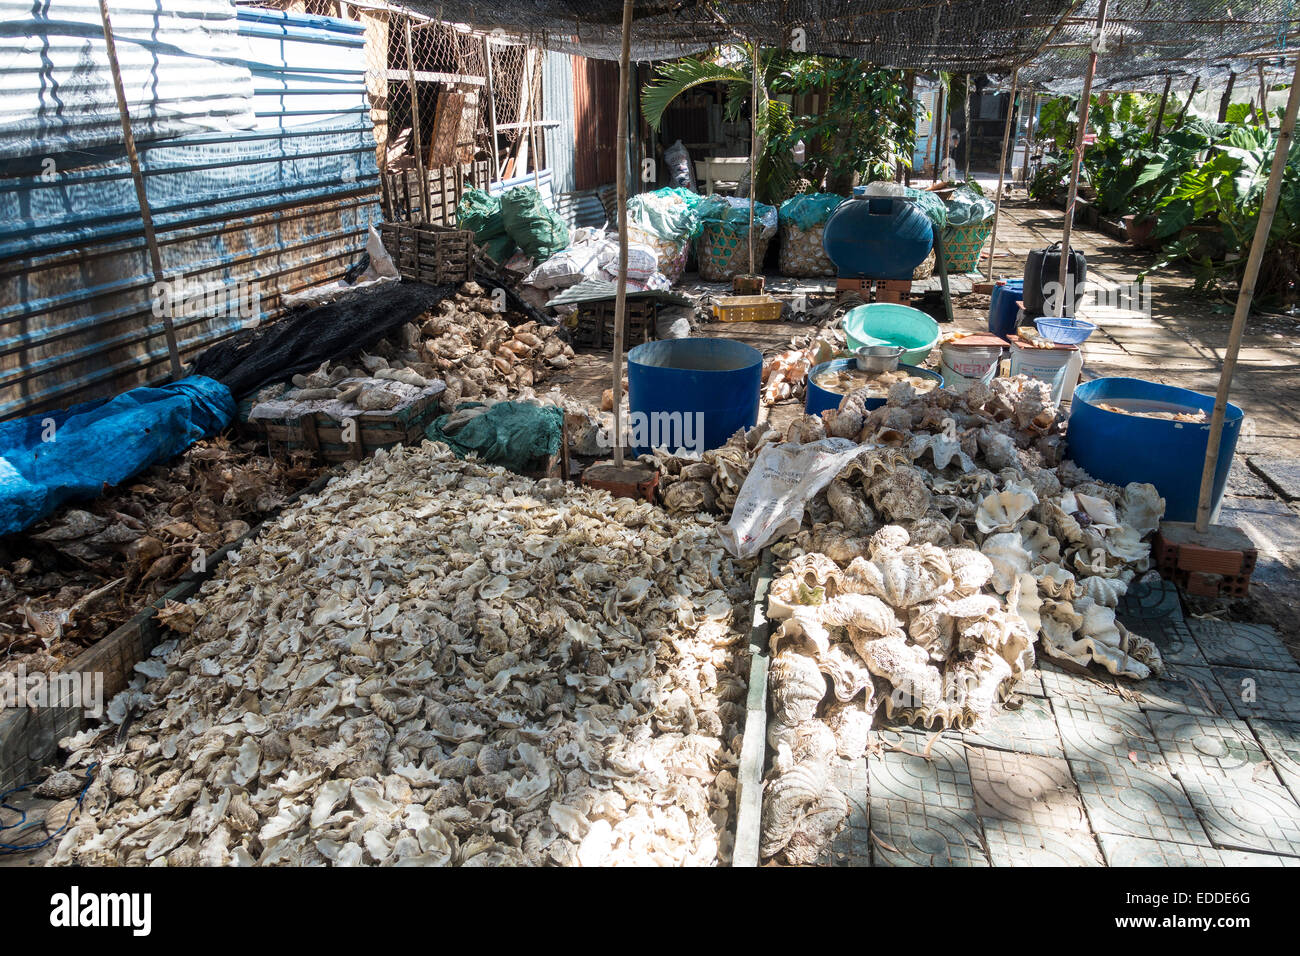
428, 253
323, 435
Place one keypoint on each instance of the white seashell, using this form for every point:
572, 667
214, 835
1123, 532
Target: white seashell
1003, 510
1009, 557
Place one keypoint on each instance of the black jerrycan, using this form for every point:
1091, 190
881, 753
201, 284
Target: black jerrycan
1043, 270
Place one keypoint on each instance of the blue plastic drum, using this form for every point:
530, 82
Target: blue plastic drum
881, 237
674, 378
1120, 448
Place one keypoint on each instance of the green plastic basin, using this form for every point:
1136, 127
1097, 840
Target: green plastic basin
884, 323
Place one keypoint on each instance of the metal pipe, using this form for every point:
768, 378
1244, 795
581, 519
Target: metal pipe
146, 216
1006, 138
1244, 298
1084, 101
620, 299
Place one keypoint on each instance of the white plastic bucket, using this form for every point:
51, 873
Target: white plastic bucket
1046, 365
962, 367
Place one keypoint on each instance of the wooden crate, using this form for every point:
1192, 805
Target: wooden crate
595, 328
427, 253
323, 435
747, 308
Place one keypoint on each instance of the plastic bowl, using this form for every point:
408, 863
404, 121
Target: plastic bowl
884, 323
1064, 331
817, 399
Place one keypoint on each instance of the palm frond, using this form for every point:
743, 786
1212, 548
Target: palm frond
675, 77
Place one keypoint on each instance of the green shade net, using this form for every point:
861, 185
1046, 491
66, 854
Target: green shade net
511, 434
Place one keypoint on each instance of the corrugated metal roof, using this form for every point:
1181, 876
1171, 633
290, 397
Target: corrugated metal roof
182, 71
282, 205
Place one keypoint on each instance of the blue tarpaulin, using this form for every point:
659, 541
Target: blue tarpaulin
56, 457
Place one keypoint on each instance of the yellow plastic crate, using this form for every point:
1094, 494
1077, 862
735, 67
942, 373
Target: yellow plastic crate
746, 308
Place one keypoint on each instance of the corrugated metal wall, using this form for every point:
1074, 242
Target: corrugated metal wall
557, 104
281, 206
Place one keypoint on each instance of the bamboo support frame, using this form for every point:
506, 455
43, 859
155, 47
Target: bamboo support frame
1084, 102
1258, 244
620, 299
146, 214
1002, 165
417, 146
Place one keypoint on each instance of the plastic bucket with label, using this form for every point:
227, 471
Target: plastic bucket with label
962, 366
1046, 365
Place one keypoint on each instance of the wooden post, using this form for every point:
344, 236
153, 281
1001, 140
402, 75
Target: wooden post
620, 299
966, 141
1084, 102
1226, 99
1244, 298
1182, 114
940, 119
1006, 138
491, 107
533, 91
753, 155
947, 130
417, 143
1160, 113
146, 215
1263, 94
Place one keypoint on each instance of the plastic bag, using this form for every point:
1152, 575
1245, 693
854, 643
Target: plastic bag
642, 261
967, 206
782, 481
566, 268
681, 171
537, 230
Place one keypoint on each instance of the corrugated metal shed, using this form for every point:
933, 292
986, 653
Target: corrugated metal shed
557, 104
275, 208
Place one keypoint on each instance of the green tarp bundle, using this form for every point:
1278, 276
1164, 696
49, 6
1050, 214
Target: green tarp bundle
670, 213
481, 213
537, 230
808, 210
511, 434
967, 206
930, 204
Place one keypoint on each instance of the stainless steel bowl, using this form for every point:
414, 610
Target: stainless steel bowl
878, 358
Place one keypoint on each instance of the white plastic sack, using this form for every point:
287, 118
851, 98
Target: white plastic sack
567, 267
781, 483
642, 261
382, 265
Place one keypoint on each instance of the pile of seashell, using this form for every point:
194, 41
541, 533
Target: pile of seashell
802, 252
479, 355
435, 662
934, 562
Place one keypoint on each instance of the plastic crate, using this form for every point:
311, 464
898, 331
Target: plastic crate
746, 308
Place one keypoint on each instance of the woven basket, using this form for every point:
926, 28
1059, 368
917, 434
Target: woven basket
724, 252
672, 253
801, 254
962, 245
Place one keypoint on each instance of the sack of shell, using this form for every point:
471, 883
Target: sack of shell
672, 253
801, 254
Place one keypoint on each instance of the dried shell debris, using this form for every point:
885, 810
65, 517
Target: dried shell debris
434, 662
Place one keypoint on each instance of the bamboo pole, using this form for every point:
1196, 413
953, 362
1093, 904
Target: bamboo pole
1244, 299
753, 154
491, 107
534, 89
1084, 101
937, 127
1006, 138
146, 215
416, 142
620, 299
1226, 99
1263, 94
1182, 114
947, 131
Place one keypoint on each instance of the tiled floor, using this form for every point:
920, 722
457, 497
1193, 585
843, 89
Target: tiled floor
1198, 768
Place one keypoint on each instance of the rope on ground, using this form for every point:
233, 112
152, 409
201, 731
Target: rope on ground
12, 849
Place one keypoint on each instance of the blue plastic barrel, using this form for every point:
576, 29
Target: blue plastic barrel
1004, 306
719, 378
1121, 448
818, 399
881, 237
